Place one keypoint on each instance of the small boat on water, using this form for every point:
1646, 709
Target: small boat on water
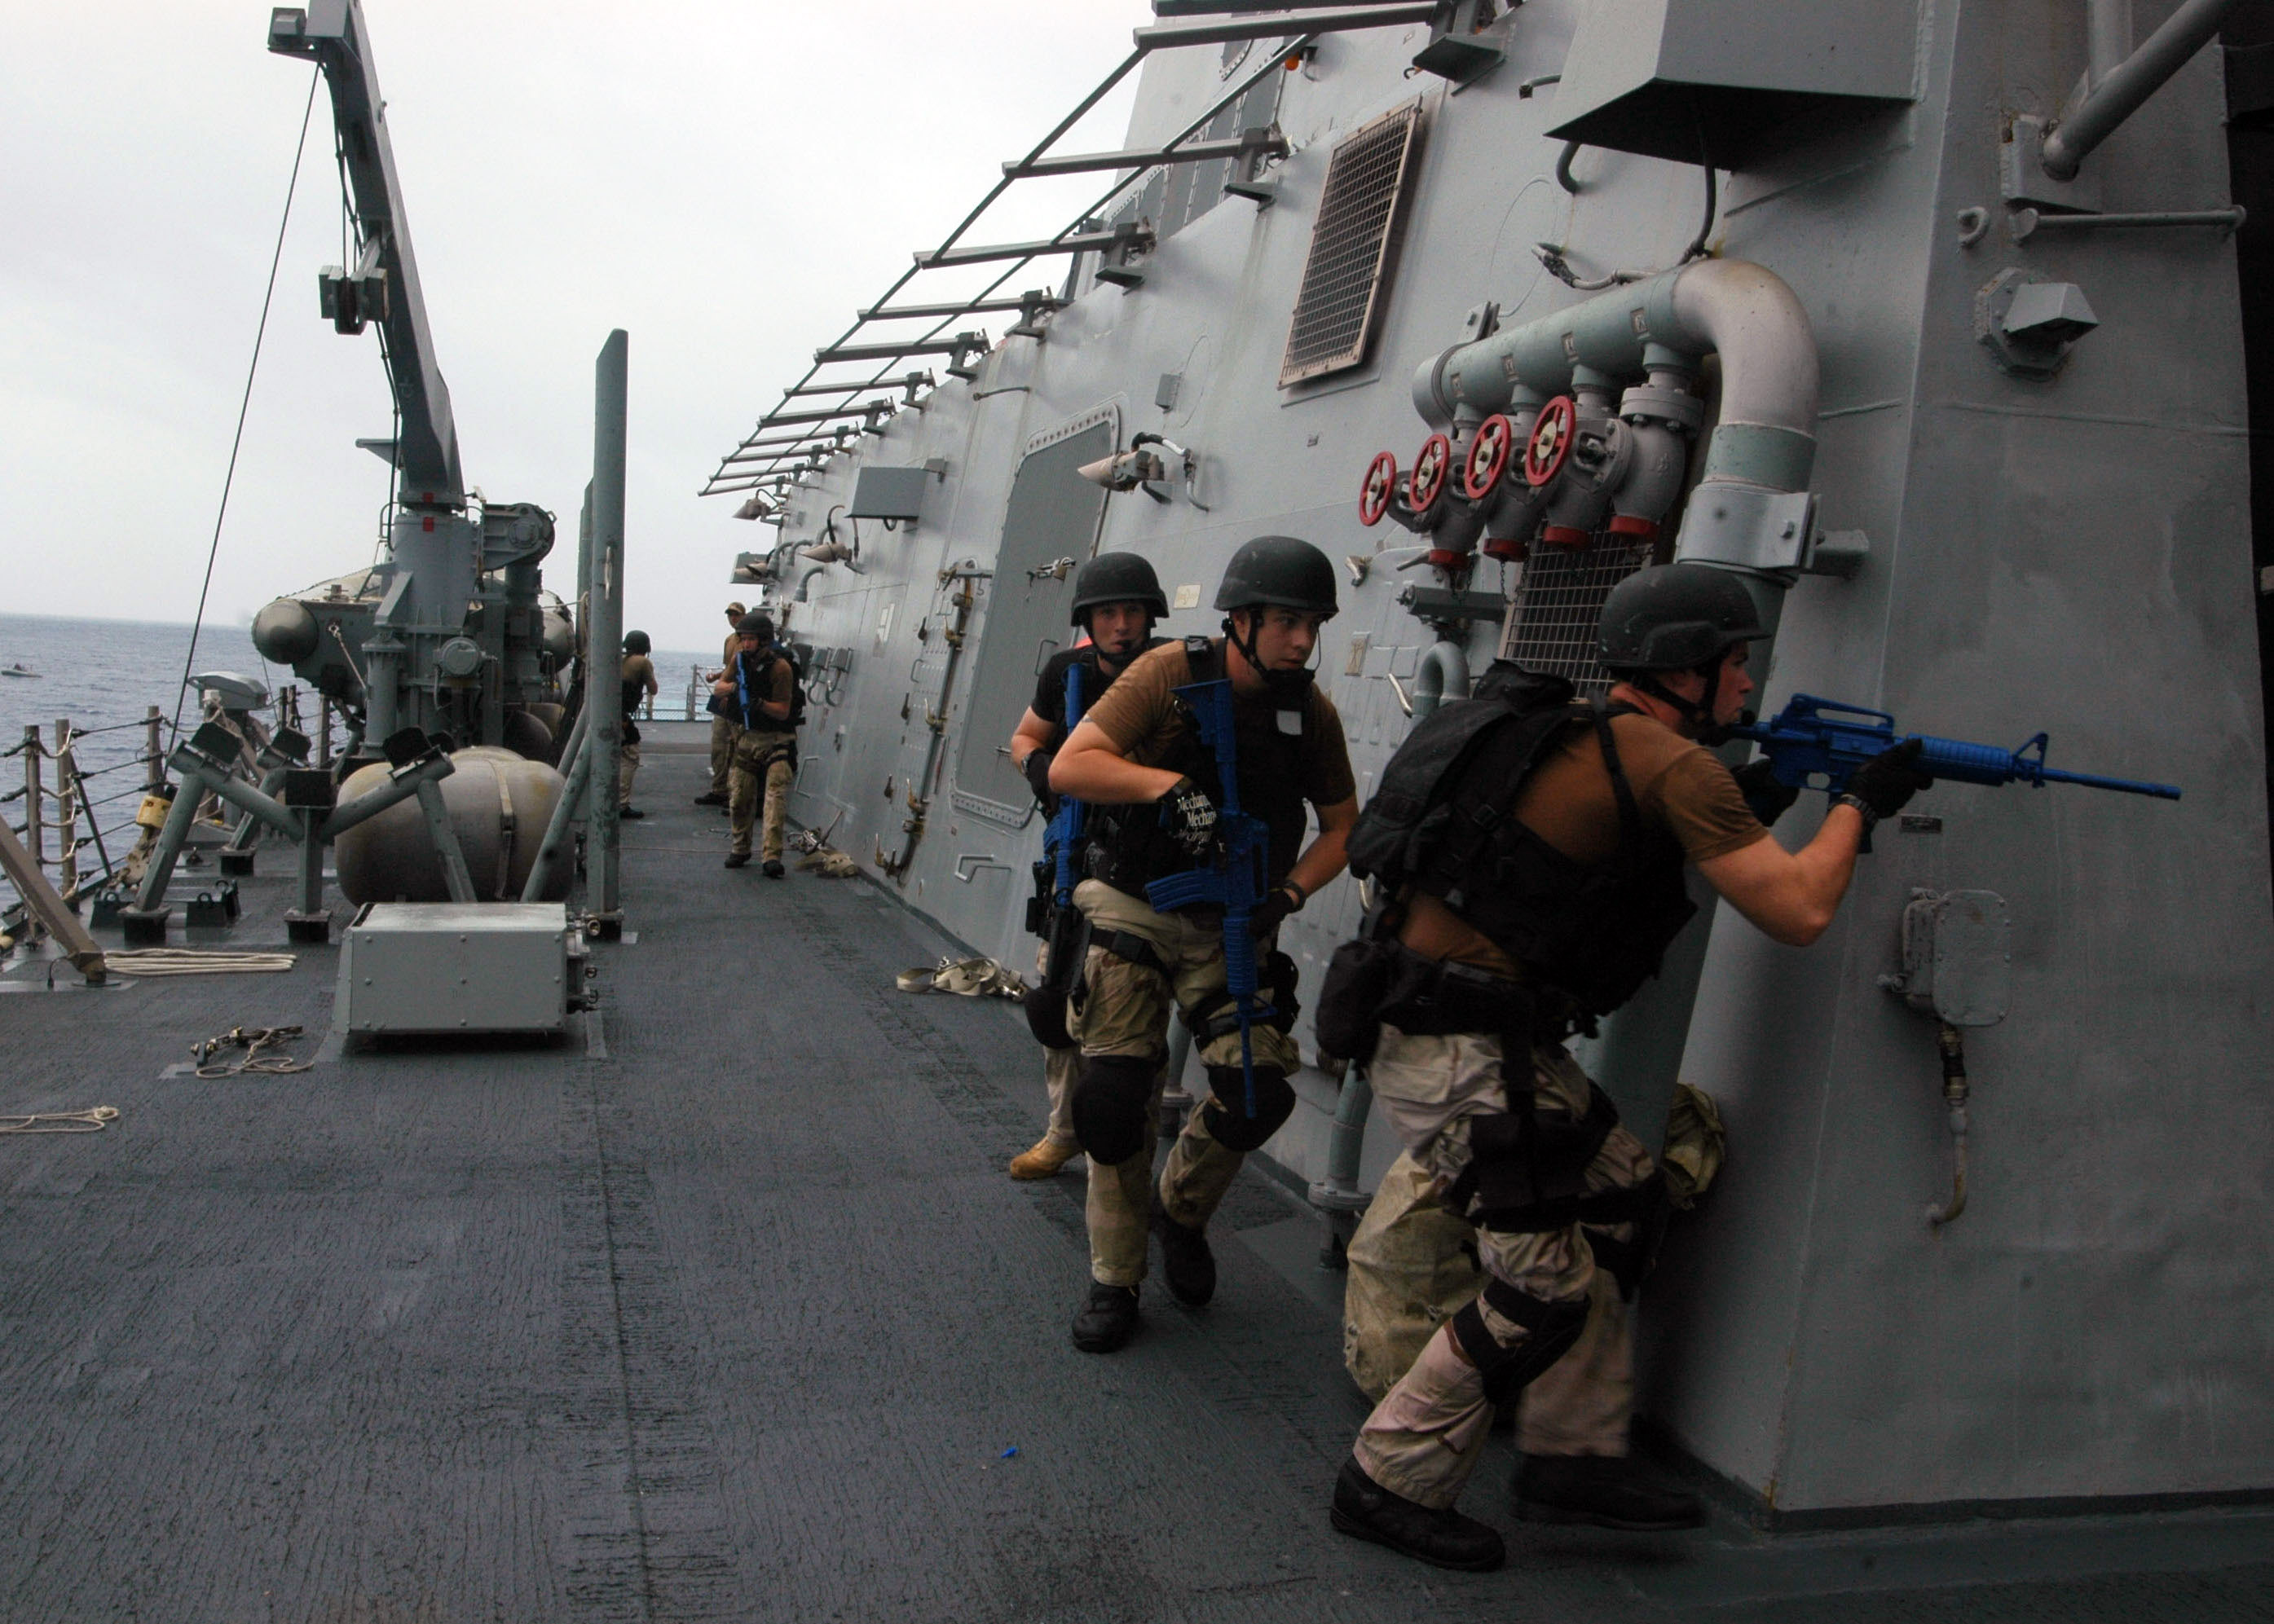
19, 669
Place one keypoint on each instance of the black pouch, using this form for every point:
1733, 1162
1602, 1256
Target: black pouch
1358, 984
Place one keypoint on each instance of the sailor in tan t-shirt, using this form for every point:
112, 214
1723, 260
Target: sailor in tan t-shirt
1536, 905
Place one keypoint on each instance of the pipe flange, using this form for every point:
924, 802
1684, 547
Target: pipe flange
1677, 409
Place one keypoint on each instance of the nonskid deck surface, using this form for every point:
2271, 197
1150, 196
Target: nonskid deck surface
738, 1319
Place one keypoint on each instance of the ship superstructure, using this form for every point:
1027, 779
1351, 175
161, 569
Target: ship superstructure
1925, 320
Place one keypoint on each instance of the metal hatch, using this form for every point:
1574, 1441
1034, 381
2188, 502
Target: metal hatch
1054, 514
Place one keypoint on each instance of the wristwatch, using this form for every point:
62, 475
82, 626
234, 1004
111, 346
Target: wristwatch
1863, 810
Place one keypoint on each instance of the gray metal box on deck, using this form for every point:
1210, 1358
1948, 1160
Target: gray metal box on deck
458, 967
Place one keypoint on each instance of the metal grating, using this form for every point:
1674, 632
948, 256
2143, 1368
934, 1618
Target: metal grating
1552, 623
1361, 214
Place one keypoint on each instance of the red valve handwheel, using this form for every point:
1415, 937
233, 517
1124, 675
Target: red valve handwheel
1374, 491
1429, 470
1550, 446
1487, 457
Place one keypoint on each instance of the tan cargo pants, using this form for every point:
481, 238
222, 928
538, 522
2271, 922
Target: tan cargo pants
1424, 1438
1061, 1068
757, 754
627, 765
1125, 1010
724, 731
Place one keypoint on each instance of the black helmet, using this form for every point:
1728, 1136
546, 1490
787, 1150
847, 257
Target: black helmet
1280, 570
636, 642
1676, 617
1117, 578
755, 625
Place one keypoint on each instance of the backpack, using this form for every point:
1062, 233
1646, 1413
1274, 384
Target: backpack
796, 654
1405, 821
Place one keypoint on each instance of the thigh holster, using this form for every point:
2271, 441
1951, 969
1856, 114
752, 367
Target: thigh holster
1550, 1328
1527, 1171
1229, 1124
1110, 1121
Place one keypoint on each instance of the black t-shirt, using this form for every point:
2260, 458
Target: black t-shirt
1050, 688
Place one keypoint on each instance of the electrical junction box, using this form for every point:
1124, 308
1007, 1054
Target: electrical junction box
458, 967
1697, 80
889, 493
1957, 956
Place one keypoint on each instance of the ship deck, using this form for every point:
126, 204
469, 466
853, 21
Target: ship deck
725, 1309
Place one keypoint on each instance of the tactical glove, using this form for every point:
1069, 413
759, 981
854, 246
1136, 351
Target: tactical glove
1768, 798
1267, 916
1189, 815
1038, 776
1883, 784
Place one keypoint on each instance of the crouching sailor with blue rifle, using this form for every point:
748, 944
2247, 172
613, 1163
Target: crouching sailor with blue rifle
1117, 600
1170, 882
1528, 852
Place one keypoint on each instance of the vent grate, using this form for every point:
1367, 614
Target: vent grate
1560, 600
1362, 212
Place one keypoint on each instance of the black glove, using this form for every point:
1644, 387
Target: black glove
1267, 916
1038, 776
1189, 817
1883, 784
1768, 798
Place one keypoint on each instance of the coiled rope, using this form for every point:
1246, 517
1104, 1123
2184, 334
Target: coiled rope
92, 1121
253, 1040
195, 961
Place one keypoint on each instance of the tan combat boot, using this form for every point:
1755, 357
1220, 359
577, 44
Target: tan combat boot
1042, 1161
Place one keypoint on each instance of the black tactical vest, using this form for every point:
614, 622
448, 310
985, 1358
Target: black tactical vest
1128, 846
1441, 824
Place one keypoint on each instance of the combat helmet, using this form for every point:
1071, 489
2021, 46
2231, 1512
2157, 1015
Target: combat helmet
1117, 578
636, 642
756, 624
1676, 617
1282, 571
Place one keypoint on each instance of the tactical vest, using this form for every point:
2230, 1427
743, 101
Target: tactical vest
634, 690
1128, 846
1441, 824
752, 674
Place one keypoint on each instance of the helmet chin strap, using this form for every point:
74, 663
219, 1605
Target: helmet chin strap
1283, 685
1696, 714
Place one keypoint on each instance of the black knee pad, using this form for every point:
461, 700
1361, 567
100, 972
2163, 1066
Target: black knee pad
1110, 1121
1229, 1124
1552, 1328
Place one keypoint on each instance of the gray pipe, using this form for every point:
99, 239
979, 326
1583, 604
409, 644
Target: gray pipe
603, 682
2108, 30
2131, 82
576, 758
1444, 673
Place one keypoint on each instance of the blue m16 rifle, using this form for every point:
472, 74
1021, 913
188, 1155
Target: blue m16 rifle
1051, 914
1238, 878
1816, 743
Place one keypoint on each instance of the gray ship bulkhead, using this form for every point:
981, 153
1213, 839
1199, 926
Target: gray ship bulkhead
2070, 554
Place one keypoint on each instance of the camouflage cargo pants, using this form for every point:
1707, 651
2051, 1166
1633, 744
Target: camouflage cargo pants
1424, 1437
1125, 1009
760, 759
628, 765
724, 731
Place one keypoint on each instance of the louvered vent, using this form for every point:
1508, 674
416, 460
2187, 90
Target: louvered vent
1353, 246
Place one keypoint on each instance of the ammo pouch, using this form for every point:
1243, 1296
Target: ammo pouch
1372, 981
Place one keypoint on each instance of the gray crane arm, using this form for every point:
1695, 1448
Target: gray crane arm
332, 33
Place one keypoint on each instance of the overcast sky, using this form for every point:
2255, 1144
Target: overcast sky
726, 181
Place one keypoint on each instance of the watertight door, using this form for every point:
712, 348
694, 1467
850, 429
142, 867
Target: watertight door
1054, 514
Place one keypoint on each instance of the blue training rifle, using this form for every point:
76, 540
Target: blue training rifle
1816, 743
1238, 878
1061, 843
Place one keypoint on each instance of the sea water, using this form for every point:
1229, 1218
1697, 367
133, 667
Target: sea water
104, 676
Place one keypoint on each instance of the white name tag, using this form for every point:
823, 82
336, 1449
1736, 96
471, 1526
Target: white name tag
1292, 722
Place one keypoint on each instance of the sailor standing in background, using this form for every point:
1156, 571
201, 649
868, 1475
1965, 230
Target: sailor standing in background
723, 728
1117, 600
761, 687
639, 686
1152, 786
1547, 893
